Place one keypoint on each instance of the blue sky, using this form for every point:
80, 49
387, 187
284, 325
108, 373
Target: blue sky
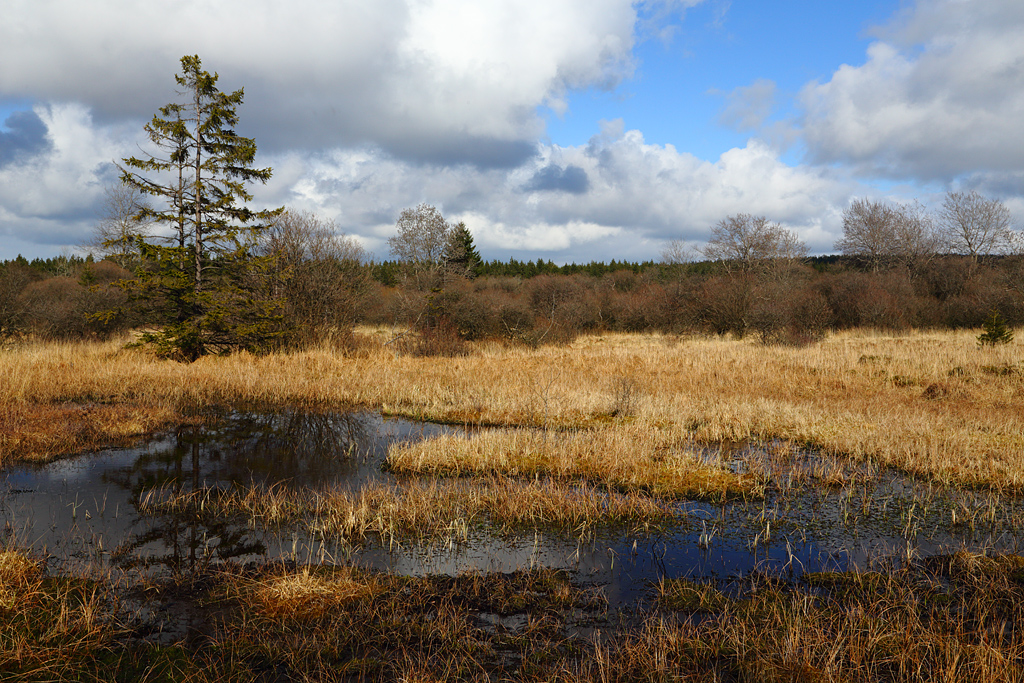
568, 130
682, 80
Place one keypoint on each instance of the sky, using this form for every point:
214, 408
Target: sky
566, 130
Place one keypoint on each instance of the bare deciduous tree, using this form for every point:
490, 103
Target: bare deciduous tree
122, 223
975, 225
885, 234
320, 272
303, 236
751, 243
676, 253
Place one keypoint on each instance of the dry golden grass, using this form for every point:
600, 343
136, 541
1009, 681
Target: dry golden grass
307, 595
49, 626
631, 457
900, 626
436, 509
16, 572
906, 625
930, 403
16, 568
41, 432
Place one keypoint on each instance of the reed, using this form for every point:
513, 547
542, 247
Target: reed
309, 595
910, 625
399, 628
445, 510
52, 628
17, 571
42, 432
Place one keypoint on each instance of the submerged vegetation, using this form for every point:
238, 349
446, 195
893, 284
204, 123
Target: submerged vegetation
431, 510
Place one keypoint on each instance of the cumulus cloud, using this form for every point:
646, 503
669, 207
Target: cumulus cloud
364, 109
638, 195
571, 179
25, 136
51, 190
616, 195
940, 96
440, 81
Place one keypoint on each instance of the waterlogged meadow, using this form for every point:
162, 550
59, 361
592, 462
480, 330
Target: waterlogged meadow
624, 508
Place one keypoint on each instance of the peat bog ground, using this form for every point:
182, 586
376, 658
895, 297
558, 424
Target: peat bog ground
626, 508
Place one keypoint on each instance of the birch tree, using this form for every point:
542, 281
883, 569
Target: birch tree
974, 225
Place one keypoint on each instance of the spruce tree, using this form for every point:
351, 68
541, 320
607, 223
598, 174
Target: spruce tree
204, 283
461, 255
995, 331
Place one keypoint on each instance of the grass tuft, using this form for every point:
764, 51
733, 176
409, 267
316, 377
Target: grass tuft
633, 458
308, 595
444, 510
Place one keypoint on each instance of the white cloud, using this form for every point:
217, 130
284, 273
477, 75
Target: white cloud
447, 80
366, 108
51, 198
941, 95
637, 195
69, 173
617, 196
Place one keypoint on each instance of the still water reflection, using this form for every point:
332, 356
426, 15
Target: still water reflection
84, 510
82, 513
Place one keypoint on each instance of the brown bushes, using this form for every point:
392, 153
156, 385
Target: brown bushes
66, 308
793, 305
14, 278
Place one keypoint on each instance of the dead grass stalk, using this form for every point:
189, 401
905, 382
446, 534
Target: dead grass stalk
929, 403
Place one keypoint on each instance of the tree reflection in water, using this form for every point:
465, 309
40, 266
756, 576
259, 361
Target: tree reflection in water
298, 449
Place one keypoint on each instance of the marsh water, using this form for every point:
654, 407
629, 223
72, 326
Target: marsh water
83, 513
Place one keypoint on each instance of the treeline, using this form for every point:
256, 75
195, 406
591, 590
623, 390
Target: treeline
389, 272
65, 265
61, 298
321, 296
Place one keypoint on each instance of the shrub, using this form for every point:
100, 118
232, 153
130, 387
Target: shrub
564, 307
516, 321
441, 338
53, 309
883, 300
14, 278
471, 312
725, 303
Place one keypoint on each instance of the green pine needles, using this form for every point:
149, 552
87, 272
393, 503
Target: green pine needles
203, 281
995, 331
460, 252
